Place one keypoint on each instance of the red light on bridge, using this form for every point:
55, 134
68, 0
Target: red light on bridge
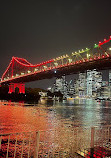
103, 56
105, 41
21, 87
107, 55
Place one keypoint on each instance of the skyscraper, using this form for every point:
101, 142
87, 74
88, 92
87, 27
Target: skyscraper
82, 84
94, 82
60, 85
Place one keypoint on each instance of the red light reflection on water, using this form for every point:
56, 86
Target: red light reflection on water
14, 117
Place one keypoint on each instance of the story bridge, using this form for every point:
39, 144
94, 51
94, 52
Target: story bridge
20, 70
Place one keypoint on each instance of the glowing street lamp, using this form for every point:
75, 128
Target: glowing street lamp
29, 71
35, 69
88, 55
95, 46
67, 56
70, 60
22, 73
45, 67
56, 64
49, 88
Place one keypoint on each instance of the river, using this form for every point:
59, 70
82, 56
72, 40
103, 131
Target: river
20, 116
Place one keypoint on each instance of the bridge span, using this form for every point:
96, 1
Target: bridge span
20, 70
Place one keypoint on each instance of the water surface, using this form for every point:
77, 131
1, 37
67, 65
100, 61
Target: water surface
18, 117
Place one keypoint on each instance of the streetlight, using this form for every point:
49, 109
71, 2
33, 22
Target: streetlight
29, 71
56, 64
88, 55
45, 67
70, 60
35, 69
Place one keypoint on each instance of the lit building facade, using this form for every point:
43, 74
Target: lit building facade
71, 89
94, 82
82, 85
105, 90
76, 88
60, 85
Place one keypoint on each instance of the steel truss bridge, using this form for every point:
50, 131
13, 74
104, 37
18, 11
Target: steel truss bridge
20, 70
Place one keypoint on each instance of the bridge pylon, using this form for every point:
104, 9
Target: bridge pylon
13, 86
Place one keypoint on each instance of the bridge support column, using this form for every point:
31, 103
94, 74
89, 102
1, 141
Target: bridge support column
12, 87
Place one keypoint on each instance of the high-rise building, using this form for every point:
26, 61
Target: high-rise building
71, 89
82, 84
89, 83
60, 85
76, 87
105, 90
94, 82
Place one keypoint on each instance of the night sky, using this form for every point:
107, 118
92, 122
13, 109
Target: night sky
41, 30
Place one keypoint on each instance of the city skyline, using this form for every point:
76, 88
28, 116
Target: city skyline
88, 84
45, 83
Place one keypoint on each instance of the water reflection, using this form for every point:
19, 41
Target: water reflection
18, 117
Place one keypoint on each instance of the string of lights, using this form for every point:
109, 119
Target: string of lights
62, 61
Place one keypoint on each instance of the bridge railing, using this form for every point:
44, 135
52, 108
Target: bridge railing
61, 143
